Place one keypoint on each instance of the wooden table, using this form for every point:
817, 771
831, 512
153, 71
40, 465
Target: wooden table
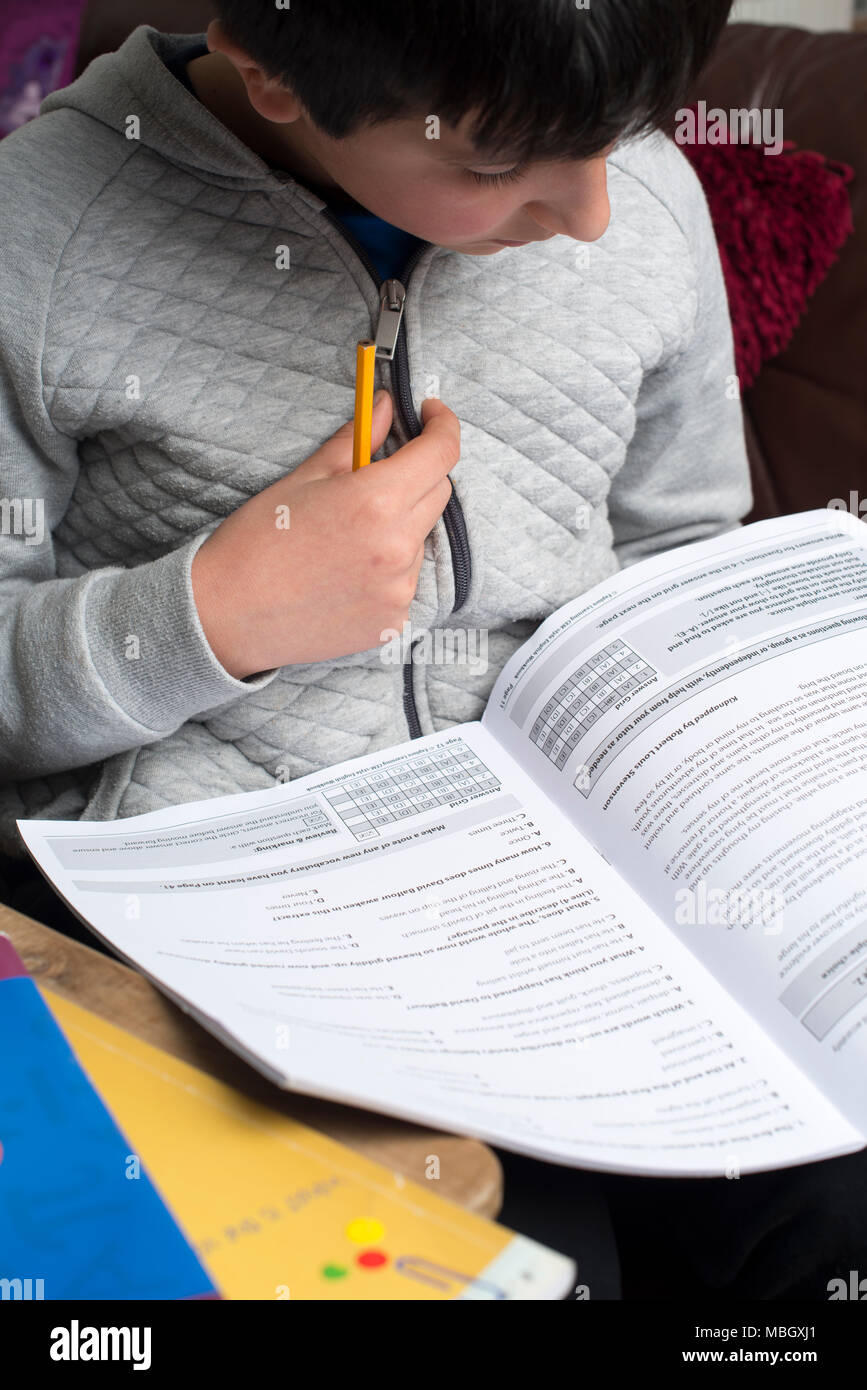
470, 1173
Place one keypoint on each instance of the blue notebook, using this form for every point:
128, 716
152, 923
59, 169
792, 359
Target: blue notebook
75, 1220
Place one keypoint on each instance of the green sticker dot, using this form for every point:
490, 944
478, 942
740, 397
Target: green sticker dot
334, 1271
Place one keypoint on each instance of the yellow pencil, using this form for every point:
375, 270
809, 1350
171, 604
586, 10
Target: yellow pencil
365, 355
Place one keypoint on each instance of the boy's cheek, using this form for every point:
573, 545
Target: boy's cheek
443, 211
440, 218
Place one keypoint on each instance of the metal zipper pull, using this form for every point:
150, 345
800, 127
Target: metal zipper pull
392, 297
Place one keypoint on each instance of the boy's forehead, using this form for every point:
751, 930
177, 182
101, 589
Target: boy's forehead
457, 142
453, 144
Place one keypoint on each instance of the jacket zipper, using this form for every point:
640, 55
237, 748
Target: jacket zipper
391, 343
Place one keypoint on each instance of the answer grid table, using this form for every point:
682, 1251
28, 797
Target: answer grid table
419, 782
580, 701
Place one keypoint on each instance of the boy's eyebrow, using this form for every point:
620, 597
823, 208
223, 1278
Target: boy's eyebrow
476, 156
449, 149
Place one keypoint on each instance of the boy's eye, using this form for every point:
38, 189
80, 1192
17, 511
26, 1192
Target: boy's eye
507, 176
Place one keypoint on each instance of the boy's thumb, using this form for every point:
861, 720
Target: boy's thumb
380, 424
381, 418
335, 455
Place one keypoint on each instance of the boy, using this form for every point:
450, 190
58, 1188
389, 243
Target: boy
194, 239
182, 293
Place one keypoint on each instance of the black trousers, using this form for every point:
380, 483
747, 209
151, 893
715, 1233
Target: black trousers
23, 887
779, 1235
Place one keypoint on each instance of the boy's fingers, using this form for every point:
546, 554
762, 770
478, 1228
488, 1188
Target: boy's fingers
415, 567
428, 510
426, 460
335, 455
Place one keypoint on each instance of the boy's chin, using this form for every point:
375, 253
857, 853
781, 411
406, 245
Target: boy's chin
478, 248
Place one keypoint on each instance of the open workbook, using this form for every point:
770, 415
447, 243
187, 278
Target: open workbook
619, 923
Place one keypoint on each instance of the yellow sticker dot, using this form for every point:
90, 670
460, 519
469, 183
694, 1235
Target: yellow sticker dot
364, 1231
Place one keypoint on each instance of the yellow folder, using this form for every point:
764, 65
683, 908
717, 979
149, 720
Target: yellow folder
276, 1210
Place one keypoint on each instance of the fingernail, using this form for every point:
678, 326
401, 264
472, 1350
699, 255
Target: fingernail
379, 396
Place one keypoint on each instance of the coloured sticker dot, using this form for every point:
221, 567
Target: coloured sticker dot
372, 1259
364, 1231
334, 1271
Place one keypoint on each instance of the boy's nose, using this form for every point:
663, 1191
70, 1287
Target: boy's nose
580, 209
590, 223
585, 221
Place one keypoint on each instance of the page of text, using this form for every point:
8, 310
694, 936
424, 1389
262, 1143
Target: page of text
422, 933
715, 751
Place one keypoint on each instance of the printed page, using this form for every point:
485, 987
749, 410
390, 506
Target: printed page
704, 721
420, 932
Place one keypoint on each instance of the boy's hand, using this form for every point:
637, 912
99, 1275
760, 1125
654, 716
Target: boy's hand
347, 565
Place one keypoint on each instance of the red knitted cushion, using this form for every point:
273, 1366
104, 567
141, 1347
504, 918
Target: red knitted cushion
780, 221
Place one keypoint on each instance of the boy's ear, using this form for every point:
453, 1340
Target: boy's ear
217, 39
267, 95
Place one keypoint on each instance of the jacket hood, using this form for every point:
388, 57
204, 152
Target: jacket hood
134, 81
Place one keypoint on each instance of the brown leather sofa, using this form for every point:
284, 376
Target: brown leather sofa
806, 416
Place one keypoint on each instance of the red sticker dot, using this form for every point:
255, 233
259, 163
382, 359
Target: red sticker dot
372, 1259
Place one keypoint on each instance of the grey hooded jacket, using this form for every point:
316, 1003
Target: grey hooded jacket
157, 369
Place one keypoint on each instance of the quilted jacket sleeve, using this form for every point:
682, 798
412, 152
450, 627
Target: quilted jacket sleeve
93, 665
686, 475
112, 659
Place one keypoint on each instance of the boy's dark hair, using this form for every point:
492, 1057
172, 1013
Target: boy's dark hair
546, 79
